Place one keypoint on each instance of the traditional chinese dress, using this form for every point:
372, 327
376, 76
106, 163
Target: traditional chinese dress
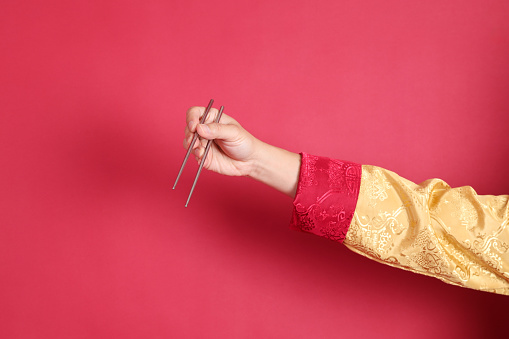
452, 234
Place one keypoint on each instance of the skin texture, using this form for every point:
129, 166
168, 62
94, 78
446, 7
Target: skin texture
236, 152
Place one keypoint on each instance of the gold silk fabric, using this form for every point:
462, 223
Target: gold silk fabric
452, 234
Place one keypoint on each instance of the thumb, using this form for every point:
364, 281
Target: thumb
218, 131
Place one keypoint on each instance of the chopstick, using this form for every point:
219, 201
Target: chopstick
190, 147
207, 148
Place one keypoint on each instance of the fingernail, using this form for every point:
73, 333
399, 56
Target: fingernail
191, 125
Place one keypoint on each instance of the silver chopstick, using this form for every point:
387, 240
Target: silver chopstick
189, 149
209, 143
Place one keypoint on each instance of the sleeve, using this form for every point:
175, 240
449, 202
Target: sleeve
451, 234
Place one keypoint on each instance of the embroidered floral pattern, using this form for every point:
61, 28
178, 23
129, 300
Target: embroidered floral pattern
428, 255
451, 234
307, 176
326, 196
377, 190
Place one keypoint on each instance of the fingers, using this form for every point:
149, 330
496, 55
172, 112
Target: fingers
198, 152
227, 129
188, 139
199, 149
219, 131
194, 114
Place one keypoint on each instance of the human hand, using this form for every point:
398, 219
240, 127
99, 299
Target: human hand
234, 151
233, 148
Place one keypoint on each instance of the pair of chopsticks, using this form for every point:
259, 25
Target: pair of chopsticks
189, 149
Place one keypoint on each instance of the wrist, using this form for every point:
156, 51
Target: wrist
258, 168
276, 167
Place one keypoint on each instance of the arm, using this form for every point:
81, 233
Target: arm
452, 234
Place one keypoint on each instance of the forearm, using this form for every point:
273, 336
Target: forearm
277, 168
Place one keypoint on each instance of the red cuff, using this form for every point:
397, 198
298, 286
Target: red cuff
326, 196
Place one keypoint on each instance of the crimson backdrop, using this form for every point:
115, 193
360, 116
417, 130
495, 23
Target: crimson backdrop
95, 244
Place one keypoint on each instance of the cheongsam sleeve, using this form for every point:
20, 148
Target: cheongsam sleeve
451, 234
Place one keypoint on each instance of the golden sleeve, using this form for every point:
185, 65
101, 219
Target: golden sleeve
452, 234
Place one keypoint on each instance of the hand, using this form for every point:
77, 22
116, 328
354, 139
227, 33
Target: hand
233, 150
236, 152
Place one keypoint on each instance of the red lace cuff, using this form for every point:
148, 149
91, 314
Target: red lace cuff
326, 196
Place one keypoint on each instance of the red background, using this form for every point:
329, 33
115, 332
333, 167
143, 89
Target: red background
93, 94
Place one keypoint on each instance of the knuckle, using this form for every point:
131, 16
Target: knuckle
193, 112
211, 115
